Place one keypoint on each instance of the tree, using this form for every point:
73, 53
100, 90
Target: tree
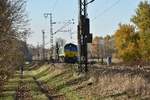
12, 24
96, 47
108, 45
145, 46
142, 17
142, 21
126, 41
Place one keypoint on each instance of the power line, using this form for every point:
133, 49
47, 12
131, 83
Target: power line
54, 6
106, 10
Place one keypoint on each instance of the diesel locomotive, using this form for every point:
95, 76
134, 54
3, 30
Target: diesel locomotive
70, 53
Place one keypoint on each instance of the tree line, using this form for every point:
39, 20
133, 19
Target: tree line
130, 42
133, 40
12, 31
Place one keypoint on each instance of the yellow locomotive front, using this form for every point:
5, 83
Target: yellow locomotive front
71, 53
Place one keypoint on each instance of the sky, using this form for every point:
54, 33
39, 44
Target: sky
105, 15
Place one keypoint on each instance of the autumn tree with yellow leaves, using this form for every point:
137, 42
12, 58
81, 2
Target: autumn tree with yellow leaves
126, 41
133, 41
142, 21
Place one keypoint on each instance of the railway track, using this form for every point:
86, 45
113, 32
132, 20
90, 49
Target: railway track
49, 92
27, 87
124, 70
23, 92
46, 82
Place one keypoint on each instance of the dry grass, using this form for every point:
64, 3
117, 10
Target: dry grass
101, 83
113, 84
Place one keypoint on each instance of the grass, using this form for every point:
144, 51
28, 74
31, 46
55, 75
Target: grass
108, 85
57, 78
11, 86
7, 98
39, 70
115, 85
105, 84
9, 89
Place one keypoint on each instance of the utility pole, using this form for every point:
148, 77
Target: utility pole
84, 36
57, 52
43, 45
38, 52
51, 34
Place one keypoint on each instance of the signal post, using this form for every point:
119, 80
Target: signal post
84, 36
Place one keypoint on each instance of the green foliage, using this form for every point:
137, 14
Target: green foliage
145, 46
142, 17
131, 45
142, 21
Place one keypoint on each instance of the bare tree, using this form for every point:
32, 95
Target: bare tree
12, 25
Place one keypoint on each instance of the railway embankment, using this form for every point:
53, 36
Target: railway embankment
63, 82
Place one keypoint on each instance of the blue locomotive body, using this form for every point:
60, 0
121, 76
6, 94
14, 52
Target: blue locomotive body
70, 53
